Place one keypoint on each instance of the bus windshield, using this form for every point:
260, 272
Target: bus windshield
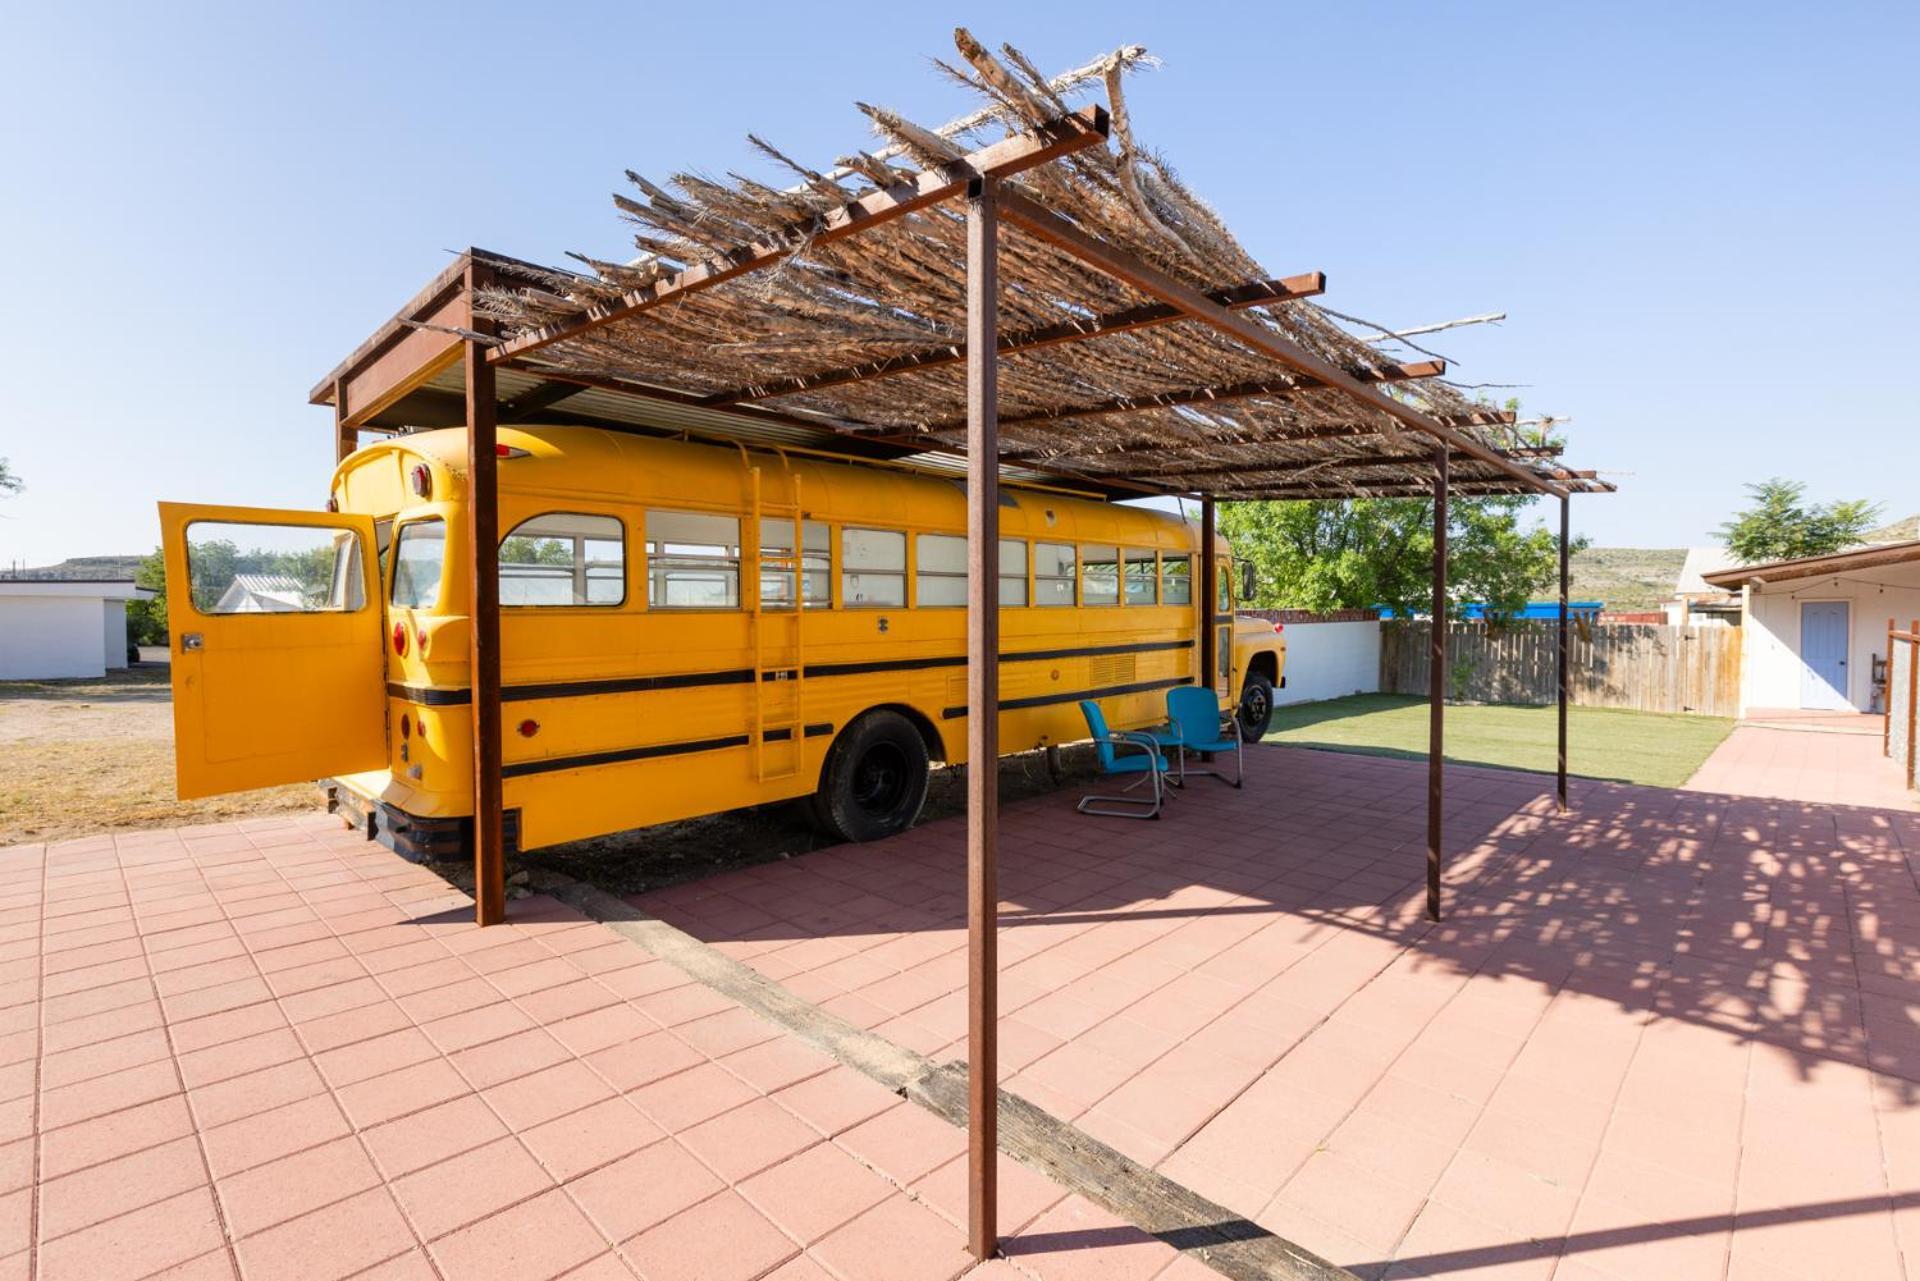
417, 560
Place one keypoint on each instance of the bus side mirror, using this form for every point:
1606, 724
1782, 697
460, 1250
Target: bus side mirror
1247, 581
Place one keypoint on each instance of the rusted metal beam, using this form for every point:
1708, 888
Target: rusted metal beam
1564, 686
983, 719
1206, 594
1084, 128
1266, 387
1437, 676
483, 632
1257, 294
543, 397
1063, 235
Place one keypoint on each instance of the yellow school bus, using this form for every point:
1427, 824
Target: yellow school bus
686, 627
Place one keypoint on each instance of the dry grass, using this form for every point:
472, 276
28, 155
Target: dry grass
91, 756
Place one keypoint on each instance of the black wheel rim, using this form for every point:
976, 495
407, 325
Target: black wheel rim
880, 779
1253, 708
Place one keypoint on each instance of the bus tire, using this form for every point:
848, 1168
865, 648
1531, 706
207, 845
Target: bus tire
1255, 712
875, 781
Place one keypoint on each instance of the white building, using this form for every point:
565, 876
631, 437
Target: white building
1816, 628
57, 628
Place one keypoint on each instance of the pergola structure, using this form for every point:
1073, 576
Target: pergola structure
1025, 293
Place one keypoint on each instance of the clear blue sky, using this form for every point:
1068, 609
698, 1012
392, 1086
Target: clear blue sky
1701, 217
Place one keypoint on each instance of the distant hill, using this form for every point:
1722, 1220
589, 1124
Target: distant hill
103, 568
1900, 531
1627, 578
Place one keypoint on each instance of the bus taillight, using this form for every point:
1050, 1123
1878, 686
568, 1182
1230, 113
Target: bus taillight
400, 639
422, 480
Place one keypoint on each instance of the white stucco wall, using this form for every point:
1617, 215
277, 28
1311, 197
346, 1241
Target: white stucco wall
1770, 658
1328, 660
48, 637
60, 630
113, 633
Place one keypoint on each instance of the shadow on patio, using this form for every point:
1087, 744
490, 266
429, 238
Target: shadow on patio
1247, 996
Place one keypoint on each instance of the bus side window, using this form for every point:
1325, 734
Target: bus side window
1100, 576
1140, 577
1013, 572
873, 567
693, 560
1223, 600
564, 558
1176, 579
418, 554
816, 564
1055, 574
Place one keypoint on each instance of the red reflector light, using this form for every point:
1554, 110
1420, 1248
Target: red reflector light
406, 725
422, 480
529, 727
420, 639
400, 638
1279, 627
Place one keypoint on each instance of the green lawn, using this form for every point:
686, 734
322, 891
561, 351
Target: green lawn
1602, 742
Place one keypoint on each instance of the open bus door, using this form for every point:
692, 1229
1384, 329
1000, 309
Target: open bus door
278, 655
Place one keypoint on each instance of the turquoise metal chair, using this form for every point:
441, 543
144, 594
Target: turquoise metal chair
1196, 724
1149, 766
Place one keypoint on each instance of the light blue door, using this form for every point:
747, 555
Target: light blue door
1823, 654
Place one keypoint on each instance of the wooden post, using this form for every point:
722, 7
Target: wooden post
483, 632
1207, 593
1565, 676
983, 716
346, 437
1437, 682
1913, 692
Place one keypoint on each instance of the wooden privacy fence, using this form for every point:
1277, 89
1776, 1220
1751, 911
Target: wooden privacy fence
1903, 698
1647, 667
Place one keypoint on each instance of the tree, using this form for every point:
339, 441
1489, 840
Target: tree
1326, 555
1780, 525
10, 482
147, 619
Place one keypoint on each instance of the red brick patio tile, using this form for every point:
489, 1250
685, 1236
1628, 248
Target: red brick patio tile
532, 1241
126, 1088
526, 1101
814, 1191
748, 1139
651, 1058
410, 1089
268, 1136
290, 1186
687, 1098
580, 1141
239, 1057
119, 1186
338, 1241
897, 1240
641, 1190
149, 1240
419, 1140
835, 1100
905, 1142
721, 1239
465, 1188
1078, 1241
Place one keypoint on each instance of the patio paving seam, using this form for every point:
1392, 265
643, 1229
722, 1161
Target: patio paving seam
1128, 1188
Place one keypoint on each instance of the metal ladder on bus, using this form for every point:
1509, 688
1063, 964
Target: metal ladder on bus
779, 691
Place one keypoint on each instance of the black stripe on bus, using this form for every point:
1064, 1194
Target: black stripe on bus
554, 764
743, 676
1047, 700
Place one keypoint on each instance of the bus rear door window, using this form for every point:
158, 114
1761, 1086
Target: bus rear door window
873, 567
274, 569
418, 557
693, 561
